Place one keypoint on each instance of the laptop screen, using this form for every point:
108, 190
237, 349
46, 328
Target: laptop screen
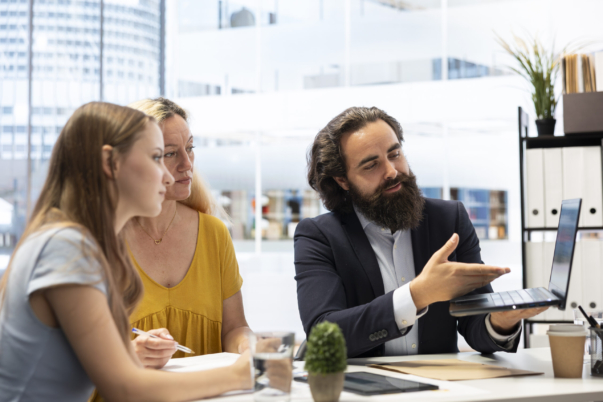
564, 248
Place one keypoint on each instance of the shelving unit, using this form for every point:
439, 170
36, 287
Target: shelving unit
526, 142
487, 210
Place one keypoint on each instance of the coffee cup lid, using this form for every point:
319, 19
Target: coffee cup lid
567, 330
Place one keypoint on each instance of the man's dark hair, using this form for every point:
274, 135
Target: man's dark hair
326, 159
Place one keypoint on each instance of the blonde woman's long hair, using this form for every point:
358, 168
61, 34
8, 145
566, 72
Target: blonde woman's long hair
77, 194
200, 198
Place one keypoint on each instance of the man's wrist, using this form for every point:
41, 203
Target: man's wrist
418, 295
501, 326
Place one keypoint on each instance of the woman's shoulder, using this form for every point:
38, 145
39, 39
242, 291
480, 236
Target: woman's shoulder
59, 254
206, 221
211, 224
69, 244
61, 237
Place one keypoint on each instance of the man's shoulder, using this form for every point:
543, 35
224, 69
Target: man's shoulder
324, 219
321, 221
440, 207
327, 224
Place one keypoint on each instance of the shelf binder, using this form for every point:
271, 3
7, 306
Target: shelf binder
592, 279
582, 179
553, 186
592, 197
553, 313
535, 276
535, 188
574, 295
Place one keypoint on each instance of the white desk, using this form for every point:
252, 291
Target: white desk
529, 388
538, 388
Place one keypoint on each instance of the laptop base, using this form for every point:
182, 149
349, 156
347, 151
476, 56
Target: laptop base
502, 301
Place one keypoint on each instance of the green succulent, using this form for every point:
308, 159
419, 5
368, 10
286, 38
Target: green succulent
326, 352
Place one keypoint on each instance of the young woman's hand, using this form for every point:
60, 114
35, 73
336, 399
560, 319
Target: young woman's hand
155, 352
242, 370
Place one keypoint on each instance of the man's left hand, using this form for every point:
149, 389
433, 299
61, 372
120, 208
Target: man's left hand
505, 322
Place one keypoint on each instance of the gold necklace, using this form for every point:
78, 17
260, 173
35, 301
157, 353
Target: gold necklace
159, 241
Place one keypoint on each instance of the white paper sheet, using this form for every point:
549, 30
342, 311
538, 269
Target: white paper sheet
205, 362
201, 363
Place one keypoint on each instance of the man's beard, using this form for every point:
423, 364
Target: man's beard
401, 210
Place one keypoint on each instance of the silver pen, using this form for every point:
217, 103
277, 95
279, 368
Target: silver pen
179, 347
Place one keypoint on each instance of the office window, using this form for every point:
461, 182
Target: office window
66, 70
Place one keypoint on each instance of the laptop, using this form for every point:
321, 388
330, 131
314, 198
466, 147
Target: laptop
555, 295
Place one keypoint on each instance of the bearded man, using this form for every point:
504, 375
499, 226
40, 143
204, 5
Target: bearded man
384, 263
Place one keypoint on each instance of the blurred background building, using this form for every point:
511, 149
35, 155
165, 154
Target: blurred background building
261, 77
68, 70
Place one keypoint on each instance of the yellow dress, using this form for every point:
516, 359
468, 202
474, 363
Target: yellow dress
192, 310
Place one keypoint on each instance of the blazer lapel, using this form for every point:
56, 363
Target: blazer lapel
420, 252
364, 251
420, 244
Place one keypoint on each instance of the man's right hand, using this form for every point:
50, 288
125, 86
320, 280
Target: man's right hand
442, 280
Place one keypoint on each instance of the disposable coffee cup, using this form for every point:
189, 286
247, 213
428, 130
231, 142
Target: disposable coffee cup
567, 349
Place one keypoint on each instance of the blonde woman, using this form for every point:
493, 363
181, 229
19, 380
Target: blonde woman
70, 286
185, 257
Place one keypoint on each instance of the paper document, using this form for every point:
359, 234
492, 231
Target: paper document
201, 363
452, 370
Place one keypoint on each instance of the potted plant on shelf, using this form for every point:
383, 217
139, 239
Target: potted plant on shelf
540, 67
326, 356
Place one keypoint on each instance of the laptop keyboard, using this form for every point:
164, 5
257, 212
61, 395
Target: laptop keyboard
519, 297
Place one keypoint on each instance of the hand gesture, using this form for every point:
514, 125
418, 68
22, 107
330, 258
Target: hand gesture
442, 280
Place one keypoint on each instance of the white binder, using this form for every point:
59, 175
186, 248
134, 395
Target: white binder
535, 188
592, 280
535, 276
574, 295
582, 179
553, 313
573, 176
534, 262
553, 186
592, 198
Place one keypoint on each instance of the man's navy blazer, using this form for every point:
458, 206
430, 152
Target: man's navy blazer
339, 280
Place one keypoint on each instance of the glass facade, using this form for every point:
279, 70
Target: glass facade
66, 73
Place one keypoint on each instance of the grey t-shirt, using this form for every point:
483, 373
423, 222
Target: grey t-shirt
37, 362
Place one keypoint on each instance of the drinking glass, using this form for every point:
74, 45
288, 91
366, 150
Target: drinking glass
273, 364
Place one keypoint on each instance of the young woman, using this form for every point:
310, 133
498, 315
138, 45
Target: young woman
185, 258
70, 286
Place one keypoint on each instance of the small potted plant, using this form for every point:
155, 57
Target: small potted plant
540, 68
326, 356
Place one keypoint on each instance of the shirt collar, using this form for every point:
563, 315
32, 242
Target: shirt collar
364, 222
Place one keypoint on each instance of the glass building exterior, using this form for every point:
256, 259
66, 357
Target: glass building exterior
82, 51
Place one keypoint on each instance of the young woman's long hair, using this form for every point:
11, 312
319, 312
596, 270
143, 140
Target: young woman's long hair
200, 198
77, 194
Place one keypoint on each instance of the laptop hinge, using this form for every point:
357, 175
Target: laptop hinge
551, 294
